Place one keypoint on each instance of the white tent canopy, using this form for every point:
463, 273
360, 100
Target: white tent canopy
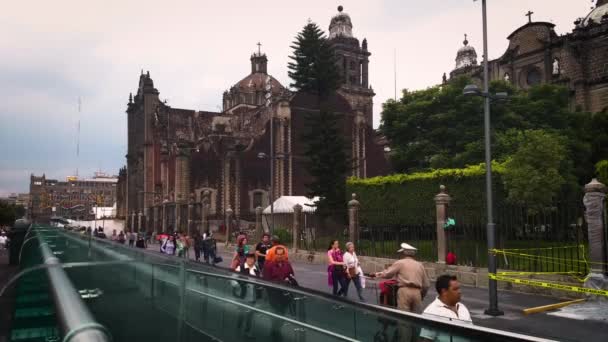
285, 204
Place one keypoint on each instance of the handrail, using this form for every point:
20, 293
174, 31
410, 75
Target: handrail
452, 326
75, 319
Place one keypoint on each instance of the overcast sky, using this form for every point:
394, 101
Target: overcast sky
52, 52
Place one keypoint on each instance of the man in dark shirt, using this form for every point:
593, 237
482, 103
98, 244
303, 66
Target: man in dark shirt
261, 248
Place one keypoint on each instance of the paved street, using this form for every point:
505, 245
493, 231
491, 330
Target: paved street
512, 303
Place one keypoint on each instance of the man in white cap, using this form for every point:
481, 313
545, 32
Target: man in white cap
412, 279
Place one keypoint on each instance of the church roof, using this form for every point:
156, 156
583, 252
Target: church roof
258, 81
597, 14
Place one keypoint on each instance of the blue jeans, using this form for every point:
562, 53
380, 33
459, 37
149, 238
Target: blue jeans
357, 281
338, 278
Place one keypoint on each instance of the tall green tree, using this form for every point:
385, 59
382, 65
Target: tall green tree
313, 70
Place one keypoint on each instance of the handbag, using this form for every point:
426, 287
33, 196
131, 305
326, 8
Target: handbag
338, 268
352, 272
217, 259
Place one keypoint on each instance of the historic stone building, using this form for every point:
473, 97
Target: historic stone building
536, 54
178, 159
73, 199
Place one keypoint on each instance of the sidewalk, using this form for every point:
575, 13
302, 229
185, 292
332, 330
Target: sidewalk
476, 299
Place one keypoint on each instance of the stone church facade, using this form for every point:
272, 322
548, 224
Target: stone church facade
536, 54
181, 162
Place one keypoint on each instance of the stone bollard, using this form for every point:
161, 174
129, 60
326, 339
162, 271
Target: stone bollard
442, 200
353, 219
228, 223
259, 230
595, 195
297, 220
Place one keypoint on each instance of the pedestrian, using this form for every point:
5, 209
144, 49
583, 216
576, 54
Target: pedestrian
446, 306
114, 236
276, 243
198, 246
413, 284
242, 249
279, 270
140, 242
3, 241
336, 273
247, 292
121, 237
412, 279
131, 238
261, 248
180, 246
354, 273
169, 246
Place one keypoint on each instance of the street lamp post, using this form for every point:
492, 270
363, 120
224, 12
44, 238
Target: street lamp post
490, 226
263, 155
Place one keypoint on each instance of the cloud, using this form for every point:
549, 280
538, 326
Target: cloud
195, 50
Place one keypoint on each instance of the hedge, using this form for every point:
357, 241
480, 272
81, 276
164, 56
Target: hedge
601, 168
409, 198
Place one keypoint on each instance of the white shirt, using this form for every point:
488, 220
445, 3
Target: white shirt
351, 260
438, 309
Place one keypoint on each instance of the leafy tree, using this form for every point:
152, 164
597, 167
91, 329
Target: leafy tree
439, 127
9, 213
538, 169
601, 169
313, 70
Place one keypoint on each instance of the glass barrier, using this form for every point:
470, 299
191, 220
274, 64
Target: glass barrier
140, 295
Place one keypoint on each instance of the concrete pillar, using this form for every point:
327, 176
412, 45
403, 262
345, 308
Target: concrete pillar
132, 223
297, 223
259, 229
228, 223
442, 200
595, 195
353, 219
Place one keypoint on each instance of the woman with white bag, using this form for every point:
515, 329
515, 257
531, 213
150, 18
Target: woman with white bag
353, 271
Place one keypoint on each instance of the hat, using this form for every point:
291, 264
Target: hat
406, 247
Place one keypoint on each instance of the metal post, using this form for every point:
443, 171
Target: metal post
271, 197
491, 227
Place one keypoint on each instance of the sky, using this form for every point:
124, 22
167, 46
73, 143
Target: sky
53, 52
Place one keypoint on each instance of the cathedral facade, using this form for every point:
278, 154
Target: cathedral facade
181, 162
536, 54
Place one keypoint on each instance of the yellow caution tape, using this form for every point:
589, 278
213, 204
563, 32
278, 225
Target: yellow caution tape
576, 275
549, 285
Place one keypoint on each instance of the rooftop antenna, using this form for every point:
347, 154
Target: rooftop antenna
78, 135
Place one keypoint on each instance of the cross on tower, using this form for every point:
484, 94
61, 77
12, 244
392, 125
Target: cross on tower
259, 48
529, 15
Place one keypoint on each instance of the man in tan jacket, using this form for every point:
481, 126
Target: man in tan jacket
412, 279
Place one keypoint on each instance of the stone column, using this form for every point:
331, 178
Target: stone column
182, 177
164, 216
442, 200
190, 206
132, 225
595, 195
164, 171
155, 218
353, 219
205, 210
140, 215
259, 230
297, 222
228, 222
178, 217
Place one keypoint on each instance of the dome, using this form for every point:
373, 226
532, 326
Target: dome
257, 81
340, 25
598, 14
466, 55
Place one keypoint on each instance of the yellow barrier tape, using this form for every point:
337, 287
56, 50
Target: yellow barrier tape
545, 284
576, 275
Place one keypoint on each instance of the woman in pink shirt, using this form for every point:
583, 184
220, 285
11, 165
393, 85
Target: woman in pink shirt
335, 269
